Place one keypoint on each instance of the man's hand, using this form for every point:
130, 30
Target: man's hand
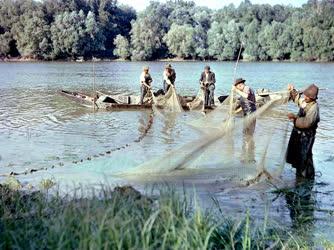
290, 87
292, 117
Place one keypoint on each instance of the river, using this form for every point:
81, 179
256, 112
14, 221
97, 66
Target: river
41, 129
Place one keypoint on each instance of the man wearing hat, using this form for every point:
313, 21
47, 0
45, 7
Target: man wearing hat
169, 77
207, 82
247, 96
247, 101
145, 83
299, 153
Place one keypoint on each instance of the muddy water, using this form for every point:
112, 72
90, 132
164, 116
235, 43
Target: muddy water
41, 129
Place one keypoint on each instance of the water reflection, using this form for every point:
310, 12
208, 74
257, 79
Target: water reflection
248, 146
301, 203
168, 127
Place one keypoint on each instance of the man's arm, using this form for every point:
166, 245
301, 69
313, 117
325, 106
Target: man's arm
294, 95
311, 117
201, 80
166, 79
142, 78
173, 76
213, 80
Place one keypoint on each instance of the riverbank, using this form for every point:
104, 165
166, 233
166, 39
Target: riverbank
81, 60
123, 218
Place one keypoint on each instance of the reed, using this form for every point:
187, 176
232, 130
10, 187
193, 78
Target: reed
125, 219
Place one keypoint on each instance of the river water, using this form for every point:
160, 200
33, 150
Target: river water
41, 129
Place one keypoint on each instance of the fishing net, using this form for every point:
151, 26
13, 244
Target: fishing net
170, 102
198, 102
234, 148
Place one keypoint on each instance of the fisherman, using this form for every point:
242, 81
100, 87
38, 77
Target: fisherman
169, 77
207, 83
299, 153
247, 101
145, 83
247, 96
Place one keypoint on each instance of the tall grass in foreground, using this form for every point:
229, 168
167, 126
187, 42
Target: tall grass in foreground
124, 219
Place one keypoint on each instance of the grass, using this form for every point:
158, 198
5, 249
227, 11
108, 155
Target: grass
125, 219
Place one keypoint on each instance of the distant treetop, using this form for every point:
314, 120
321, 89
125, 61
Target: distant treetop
68, 29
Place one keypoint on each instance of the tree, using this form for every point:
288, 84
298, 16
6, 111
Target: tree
122, 47
148, 31
182, 13
180, 41
95, 39
114, 20
252, 48
145, 39
67, 33
29, 33
202, 18
272, 39
4, 43
317, 45
71, 28
73, 34
223, 40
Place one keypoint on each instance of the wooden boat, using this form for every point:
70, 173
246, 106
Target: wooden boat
131, 102
115, 102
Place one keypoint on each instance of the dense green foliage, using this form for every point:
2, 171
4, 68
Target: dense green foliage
124, 219
71, 28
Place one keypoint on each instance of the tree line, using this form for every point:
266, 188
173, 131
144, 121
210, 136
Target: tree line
68, 29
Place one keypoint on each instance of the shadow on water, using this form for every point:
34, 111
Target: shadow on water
301, 203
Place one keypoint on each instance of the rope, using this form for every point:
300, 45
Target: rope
89, 158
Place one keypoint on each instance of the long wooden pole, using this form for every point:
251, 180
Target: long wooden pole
94, 90
234, 78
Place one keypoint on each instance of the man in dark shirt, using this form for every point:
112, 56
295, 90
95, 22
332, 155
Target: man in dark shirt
207, 82
169, 77
248, 104
247, 96
299, 153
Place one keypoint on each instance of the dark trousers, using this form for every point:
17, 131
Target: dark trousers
299, 153
166, 86
143, 92
209, 95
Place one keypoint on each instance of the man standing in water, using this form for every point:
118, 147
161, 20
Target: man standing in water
302, 138
169, 77
145, 83
207, 82
248, 104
